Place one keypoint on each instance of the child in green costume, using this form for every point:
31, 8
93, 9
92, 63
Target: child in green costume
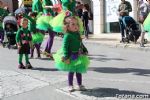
68, 7
3, 13
23, 40
72, 57
43, 24
37, 37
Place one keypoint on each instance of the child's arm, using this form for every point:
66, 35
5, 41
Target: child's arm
18, 38
66, 41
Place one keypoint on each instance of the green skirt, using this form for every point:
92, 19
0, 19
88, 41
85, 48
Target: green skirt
80, 65
42, 22
37, 38
57, 23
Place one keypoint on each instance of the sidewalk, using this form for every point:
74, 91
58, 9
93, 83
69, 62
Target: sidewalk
113, 39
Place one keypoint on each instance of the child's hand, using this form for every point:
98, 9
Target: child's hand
19, 46
67, 61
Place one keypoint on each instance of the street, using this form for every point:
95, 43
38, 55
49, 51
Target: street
114, 74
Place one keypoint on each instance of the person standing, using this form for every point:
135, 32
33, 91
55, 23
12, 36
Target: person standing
37, 37
23, 40
85, 16
43, 24
123, 9
143, 9
79, 11
70, 58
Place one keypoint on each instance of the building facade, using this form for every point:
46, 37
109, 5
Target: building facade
105, 15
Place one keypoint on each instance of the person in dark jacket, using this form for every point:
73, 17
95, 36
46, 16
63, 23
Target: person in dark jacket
85, 16
79, 11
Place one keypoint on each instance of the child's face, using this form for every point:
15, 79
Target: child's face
73, 25
25, 24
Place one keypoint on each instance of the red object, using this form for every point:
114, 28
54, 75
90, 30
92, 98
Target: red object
57, 8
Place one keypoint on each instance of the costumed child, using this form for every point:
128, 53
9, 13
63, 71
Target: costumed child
68, 8
23, 40
3, 13
43, 24
37, 37
1, 31
72, 57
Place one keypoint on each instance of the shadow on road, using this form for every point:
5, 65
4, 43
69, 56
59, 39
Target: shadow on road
97, 55
103, 58
111, 92
44, 69
46, 59
142, 72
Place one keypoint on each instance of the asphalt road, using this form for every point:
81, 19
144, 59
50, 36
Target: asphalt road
114, 73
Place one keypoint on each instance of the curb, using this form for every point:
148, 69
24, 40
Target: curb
114, 43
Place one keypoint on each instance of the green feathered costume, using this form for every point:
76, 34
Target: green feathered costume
43, 21
72, 44
57, 22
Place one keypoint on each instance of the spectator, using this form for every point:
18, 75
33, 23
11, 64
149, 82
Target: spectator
144, 9
79, 10
124, 9
85, 15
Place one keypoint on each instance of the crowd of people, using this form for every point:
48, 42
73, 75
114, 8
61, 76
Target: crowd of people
68, 17
129, 27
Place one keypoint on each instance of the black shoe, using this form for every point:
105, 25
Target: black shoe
21, 66
29, 66
122, 40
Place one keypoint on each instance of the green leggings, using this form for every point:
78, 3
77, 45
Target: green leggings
26, 58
